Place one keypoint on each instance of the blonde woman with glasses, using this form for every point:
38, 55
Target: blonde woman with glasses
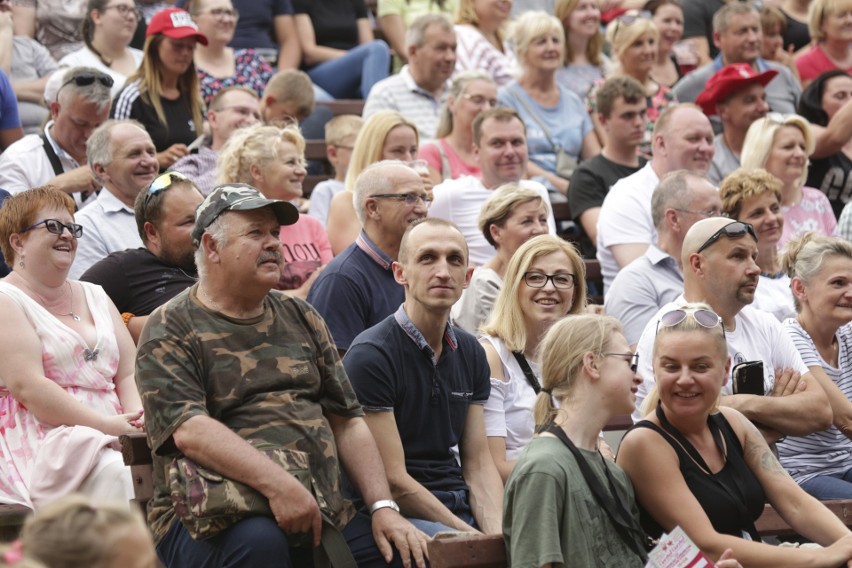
781, 145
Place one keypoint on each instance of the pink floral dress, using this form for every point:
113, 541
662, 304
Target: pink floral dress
35, 453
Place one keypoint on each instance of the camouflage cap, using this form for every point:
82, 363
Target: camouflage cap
238, 197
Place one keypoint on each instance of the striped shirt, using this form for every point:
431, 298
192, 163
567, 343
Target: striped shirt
400, 93
827, 452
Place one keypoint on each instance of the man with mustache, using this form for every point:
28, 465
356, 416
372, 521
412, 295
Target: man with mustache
123, 158
231, 367
719, 269
420, 87
500, 148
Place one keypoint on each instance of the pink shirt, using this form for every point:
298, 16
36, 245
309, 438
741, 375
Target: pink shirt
305, 248
430, 152
813, 63
812, 213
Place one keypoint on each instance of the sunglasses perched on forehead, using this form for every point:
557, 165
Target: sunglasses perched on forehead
702, 316
733, 230
85, 79
629, 19
162, 183
56, 227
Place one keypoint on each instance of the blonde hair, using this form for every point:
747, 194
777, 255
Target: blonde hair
803, 257
688, 324
457, 90
621, 36
563, 11
499, 206
507, 318
254, 145
817, 13
291, 86
561, 354
371, 141
742, 184
72, 532
761, 135
151, 87
532, 25
342, 127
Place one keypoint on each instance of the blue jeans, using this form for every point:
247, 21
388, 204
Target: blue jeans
351, 76
837, 486
458, 502
257, 542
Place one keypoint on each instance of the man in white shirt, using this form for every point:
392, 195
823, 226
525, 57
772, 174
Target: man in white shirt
124, 159
682, 140
57, 156
419, 89
500, 148
720, 270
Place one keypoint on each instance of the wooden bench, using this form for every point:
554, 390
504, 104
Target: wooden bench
345, 106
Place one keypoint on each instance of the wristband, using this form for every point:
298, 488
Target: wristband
127, 316
384, 504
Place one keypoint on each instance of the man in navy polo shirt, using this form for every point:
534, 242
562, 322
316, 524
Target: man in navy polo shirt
423, 383
357, 289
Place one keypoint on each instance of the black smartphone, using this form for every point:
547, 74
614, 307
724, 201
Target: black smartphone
748, 378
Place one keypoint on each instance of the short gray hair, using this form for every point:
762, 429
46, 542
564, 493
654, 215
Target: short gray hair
672, 193
373, 180
99, 147
723, 15
218, 231
97, 93
416, 34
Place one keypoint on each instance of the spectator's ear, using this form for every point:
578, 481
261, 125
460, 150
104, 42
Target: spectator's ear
54, 109
152, 236
412, 50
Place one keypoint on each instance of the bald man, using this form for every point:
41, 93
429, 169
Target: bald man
719, 269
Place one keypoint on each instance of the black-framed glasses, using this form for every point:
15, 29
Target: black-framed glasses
410, 199
733, 230
702, 316
561, 280
56, 227
124, 10
161, 183
632, 358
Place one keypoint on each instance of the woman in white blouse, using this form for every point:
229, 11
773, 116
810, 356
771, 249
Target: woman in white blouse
481, 39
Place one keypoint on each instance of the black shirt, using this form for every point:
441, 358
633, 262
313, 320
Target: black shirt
335, 21
181, 128
831, 176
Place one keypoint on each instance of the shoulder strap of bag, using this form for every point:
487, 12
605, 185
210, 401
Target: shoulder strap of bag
446, 172
51, 155
528, 372
333, 551
520, 99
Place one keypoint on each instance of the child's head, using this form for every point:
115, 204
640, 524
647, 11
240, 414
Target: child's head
72, 532
289, 96
340, 134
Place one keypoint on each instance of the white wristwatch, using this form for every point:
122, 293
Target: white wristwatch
384, 504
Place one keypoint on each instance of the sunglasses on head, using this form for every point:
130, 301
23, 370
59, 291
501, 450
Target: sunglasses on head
161, 183
733, 230
629, 19
87, 78
56, 227
702, 316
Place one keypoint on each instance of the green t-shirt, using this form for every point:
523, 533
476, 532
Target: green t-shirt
551, 516
412, 9
270, 379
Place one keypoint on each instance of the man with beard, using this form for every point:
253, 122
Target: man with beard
123, 159
419, 89
719, 270
138, 280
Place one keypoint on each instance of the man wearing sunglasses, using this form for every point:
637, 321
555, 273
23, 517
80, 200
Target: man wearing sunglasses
720, 270
57, 156
123, 158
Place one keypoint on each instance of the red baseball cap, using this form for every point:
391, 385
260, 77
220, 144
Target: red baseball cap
728, 80
176, 24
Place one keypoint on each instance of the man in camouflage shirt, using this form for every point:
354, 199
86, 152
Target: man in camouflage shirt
230, 360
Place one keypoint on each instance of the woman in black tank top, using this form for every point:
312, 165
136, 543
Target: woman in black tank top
708, 469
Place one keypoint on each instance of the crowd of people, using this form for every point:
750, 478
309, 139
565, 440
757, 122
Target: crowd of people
407, 347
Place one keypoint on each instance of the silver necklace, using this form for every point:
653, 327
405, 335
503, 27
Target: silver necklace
44, 303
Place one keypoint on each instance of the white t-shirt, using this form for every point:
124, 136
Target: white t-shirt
773, 295
758, 337
460, 200
625, 218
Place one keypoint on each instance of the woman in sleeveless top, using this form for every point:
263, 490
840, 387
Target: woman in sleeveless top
708, 469
66, 382
565, 504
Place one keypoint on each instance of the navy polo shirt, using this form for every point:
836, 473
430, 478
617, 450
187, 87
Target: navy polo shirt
392, 369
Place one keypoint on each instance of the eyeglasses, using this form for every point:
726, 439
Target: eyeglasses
701, 212
633, 358
733, 230
124, 10
344, 147
702, 316
561, 280
410, 199
243, 110
85, 79
629, 19
480, 100
222, 13
56, 227
161, 183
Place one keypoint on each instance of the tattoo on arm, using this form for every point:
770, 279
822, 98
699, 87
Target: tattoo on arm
757, 451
